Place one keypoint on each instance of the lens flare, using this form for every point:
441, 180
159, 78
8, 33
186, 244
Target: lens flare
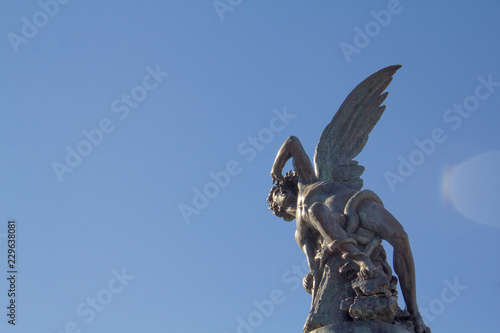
473, 188
445, 188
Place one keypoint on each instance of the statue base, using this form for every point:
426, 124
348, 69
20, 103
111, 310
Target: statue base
361, 327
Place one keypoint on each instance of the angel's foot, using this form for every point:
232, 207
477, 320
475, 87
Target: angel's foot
420, 326
348, 267
366, 267
366, 270
345, 246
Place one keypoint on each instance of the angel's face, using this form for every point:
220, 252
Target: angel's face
284, 197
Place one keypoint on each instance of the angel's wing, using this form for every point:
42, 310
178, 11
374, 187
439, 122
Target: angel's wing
346, 135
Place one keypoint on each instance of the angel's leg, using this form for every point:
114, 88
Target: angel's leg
376, 218
328, 225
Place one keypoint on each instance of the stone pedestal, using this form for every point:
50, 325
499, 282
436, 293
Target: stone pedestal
342, 299
361, 327
334, 288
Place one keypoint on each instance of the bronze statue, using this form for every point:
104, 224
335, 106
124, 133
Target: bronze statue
327, 202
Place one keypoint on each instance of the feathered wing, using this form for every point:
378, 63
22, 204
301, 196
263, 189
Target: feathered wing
346, 135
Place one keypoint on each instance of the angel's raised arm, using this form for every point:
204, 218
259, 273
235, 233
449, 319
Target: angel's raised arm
292, 148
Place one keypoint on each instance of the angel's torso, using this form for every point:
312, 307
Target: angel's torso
333, 194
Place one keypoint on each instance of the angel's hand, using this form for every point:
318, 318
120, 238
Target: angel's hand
308, 282
277, 176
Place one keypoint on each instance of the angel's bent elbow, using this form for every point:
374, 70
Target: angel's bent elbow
292, 140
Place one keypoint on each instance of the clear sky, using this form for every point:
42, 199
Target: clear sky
137, 137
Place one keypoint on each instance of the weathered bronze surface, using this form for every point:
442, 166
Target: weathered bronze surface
340, 227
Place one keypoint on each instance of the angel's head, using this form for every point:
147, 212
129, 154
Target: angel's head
283, 195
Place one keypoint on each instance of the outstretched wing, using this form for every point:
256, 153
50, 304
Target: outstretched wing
346, 135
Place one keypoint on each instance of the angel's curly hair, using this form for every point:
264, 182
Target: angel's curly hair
290, 182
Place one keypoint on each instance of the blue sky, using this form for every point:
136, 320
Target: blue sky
160, 98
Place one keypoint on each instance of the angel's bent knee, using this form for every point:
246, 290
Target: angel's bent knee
318, 210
